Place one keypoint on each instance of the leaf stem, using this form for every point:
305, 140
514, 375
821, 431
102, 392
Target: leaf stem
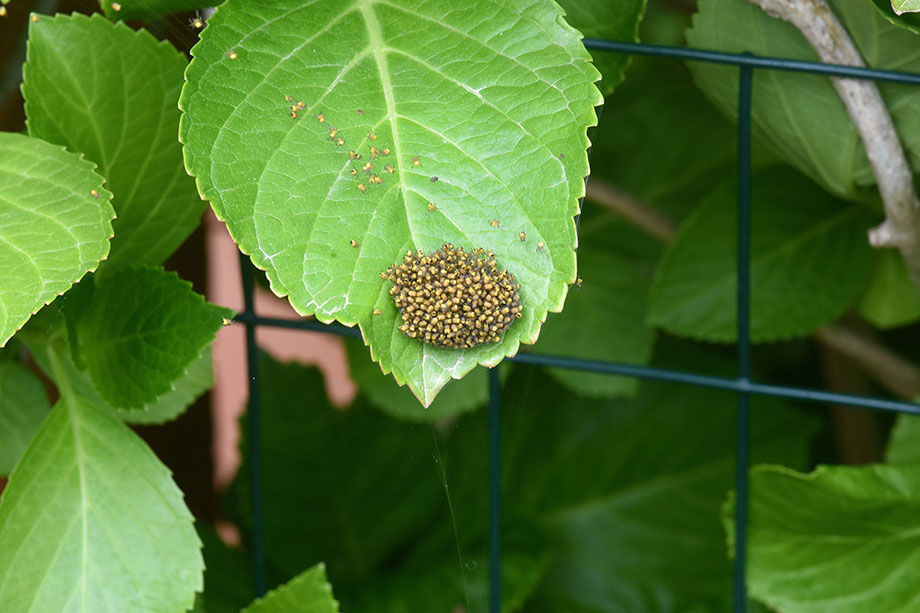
623, 203
901, 228
897, 374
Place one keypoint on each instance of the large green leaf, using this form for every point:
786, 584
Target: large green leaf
110, 92
90, 519
607, 19
23, 406
842, 538
344, 487
55, 225
810, 261
801, 116
143, 329
481, 111
891, 299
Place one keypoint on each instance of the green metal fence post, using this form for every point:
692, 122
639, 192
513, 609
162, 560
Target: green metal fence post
739, 591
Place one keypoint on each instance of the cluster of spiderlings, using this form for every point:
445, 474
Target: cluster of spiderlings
452, 298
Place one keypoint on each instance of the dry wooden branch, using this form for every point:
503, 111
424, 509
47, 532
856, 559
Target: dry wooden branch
867, 110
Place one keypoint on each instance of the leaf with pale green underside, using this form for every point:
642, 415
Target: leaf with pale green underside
491, 101
467, 394
904, 20
52, 229
810, 261
610, 20
110, 93
841, 538
23, 406
905, 6
143, 329
149, 10
603, 320
891, 299
801, 117
87, 502
307, 592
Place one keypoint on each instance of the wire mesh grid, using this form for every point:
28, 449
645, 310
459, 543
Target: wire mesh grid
742, 384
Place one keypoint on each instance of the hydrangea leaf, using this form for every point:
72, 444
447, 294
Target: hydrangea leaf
23, 406
891, 299
55, 225
308, 591
810, 261
143, 329
841, 538
184, 390
801, 117
110, 92
480, 111
108, 509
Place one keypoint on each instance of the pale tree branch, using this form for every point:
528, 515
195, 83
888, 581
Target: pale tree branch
896, 374
867, 110
623, 203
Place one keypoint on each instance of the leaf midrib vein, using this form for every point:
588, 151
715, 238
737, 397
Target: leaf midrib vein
377, 49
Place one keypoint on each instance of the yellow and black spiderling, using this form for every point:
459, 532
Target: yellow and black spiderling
453, 298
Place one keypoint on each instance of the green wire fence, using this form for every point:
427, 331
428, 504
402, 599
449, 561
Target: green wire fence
742, 385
